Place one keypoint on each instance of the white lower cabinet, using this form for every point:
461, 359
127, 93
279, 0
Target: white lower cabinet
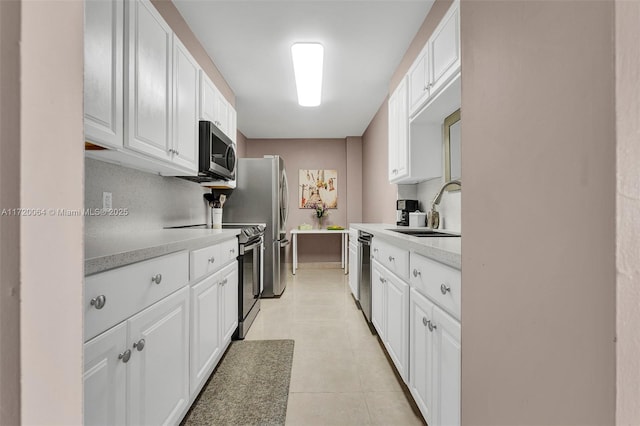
390, 315
435, 350
214, 315
159, 369
205, 329
105, 377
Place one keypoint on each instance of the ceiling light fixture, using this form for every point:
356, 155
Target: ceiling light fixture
307, 67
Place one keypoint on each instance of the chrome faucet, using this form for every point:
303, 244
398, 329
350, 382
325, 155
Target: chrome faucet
433, 218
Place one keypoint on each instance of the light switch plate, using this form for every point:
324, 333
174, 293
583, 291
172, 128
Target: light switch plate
107, 203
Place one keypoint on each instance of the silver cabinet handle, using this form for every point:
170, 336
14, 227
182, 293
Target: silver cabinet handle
382, 280
232, 251
391, 258
156, 279
425, 88
416, 273
223, 282
99, 302
444, 288
125, 356
425, 321
375, 250
212, 259
139, 345
431, 326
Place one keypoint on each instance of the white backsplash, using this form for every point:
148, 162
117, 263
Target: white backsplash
449, 207
153, 201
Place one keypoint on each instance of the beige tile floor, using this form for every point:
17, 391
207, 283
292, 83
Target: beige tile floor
340, 375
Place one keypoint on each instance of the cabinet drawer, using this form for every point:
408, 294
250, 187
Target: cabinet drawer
128, 290
438, 282
210, 259
393, 258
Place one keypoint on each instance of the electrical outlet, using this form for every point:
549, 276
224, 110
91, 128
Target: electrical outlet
107, 203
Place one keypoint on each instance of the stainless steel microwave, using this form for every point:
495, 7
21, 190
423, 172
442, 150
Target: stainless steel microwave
217, 154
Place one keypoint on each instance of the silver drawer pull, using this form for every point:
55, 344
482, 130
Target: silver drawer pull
391, 258
212, 259
431, 326
139, 345
444, 288
375, 250
425, 321
223, 282
416, 273
99, 301
382, 280
232, 250
156, 279
125, 356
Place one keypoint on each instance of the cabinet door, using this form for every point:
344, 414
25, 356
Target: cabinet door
421, 354
149, 41
103, 57
397, 324
402, 131
393, 136
185, 107
378, 283
447, 369
233, 124
207, 98
105, 378
419, 80
159, 371
353, 270
229, 301
205, 329
222, 113
444, 47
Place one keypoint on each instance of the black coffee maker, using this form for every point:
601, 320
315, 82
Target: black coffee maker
404, 207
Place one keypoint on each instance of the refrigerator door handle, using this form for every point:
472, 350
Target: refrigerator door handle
284, 243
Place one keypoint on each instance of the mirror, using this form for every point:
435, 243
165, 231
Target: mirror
452, 165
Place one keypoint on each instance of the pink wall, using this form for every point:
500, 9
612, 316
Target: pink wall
241, 141
177, 23
51, 247
378, 195
628, 208
310, 154
538, 301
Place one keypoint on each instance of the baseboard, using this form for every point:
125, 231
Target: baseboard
320, 265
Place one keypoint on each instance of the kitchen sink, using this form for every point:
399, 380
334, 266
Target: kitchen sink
423, 232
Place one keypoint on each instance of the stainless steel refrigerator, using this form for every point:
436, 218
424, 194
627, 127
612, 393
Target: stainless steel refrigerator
262, 196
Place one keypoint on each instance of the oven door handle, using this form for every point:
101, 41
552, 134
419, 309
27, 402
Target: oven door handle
252, 246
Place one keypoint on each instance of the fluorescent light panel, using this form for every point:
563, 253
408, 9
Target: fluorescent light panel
307, 67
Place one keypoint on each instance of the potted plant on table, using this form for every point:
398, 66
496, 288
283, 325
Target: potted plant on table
321, 211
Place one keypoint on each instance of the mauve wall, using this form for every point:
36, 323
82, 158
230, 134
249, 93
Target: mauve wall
241, 142
538, 302
177, 23
310, 154
628, 212
378, 195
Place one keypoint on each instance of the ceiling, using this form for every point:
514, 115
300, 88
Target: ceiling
250, 42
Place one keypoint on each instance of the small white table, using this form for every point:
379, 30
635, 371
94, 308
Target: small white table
345, 246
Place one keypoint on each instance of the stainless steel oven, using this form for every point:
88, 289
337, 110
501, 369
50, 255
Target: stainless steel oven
249, 284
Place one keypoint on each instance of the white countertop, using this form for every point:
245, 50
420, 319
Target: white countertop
108, 251
445, 250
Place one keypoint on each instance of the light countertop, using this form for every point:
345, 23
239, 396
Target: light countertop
445, 250
107, 251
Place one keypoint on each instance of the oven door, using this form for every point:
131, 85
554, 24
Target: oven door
251, 275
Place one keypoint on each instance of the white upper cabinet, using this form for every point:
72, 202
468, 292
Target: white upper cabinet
215, 108
419, 80
398, 134
185, 107
444, 48
103, 54
438, 63
233, 124
149, 83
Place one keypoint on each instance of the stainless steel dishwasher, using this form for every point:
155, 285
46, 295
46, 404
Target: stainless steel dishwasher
364, 255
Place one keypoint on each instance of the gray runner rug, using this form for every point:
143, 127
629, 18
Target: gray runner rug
249, 387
